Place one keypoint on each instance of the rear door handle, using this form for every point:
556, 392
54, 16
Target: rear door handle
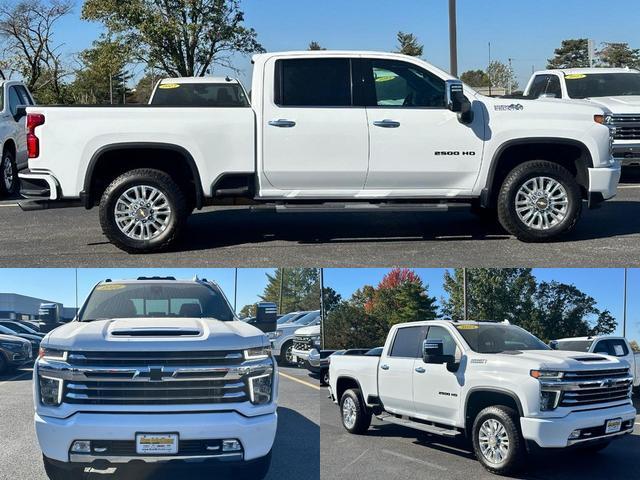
384, 367
420, 370
282, 123
386, 123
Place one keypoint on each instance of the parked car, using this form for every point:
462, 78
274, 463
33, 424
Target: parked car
318, 363
305, 339
503, 388
21, 327
14, 352
282, 338
617, 90
404, 135
13, 94
157, 370
606, 345
34, 339
291, 317
199, 92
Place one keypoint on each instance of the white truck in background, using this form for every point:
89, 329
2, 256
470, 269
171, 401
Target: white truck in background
306, 340
495, 383
606, 345
325, 131
617, 90
156, 370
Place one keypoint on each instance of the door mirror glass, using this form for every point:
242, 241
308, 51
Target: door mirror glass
266, 316
457, 102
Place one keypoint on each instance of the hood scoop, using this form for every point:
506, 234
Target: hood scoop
590, 359
155, 332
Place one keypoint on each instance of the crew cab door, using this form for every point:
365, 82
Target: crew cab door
416, 143
314, 138
436, 390
395, 369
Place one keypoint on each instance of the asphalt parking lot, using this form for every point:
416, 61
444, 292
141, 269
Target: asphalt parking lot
388, 451
295, 452
607, 237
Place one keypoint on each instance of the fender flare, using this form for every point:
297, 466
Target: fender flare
500, 390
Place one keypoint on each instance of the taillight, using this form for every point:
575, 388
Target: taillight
33, 142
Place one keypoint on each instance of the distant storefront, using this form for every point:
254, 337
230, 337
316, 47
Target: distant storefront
21, 307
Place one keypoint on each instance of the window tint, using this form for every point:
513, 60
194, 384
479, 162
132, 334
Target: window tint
603, 85
408, 342
573, 345
224, 95
24, 95
400, 84
317, 82
448, 343
538, 86
617, 348
553, 87
14, 100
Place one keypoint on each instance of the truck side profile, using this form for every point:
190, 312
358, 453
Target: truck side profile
494, 383
156, 370
325, 131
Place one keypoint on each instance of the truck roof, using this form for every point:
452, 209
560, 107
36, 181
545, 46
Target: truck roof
585, 339
456, 322
199, 80
586, 71
171, 280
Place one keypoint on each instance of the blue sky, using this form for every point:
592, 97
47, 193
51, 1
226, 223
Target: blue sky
605, 285
528, 32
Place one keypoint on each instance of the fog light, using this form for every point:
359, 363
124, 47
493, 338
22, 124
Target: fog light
231, 446
81, 446
50, 391
575, 434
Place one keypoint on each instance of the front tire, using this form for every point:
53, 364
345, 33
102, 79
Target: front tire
8, 169
497, 441
257, 469
143, 211
539, 201
56, 472
324, 377
355, 415
286, 354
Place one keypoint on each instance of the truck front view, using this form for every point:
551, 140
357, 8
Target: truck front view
156, 370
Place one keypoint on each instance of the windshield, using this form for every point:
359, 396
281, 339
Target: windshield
148, 299
200, 95
573, 345
308, 318
16, 327
289, 317
485, 338
603, 84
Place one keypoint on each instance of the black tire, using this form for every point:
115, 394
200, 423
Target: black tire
515, 179
515, 454
257, 469
324, 377
56, 472
162, 182
595, 448
362, 413
286, 348
8, 160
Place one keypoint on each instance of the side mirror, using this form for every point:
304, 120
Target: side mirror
21, 112
266, 317
433, 353
457, 102
553, 345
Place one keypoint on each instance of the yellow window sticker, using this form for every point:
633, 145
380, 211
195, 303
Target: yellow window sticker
466, 327
110, 286
575, 76
166, 86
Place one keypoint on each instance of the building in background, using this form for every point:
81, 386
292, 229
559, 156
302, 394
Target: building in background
21, 307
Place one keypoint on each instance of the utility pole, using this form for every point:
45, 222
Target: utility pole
510, 74
488, 68
624, 306
453, 38
464, 295
322, 313
281, 286
235, 291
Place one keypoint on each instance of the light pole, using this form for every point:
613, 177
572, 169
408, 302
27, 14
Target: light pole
464, 295
624, 306
322, 307
235, 291
281, 286
453, 38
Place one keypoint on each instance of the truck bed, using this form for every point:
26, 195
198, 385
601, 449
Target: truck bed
363, 369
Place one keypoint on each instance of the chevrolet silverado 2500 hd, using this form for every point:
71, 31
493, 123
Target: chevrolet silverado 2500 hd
156, 370
497, 384
326, 131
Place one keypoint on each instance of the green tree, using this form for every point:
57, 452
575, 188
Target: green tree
618, 55
572, 53
476, 78
315, 46
634, 346
143, 89
501, 76
181, 37
349, 326
331, 299
300, 289
408, 45
247, 311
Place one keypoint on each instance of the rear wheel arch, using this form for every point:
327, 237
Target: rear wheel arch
481, 397
345, 383
10, 145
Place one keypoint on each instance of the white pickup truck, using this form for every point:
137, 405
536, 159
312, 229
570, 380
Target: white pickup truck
156, 370
325, 131
617, 90
607, 345
13, 140
495, 383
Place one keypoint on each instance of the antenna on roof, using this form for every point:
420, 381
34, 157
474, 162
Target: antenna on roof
227, 78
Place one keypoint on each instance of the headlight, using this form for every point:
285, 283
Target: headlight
257, 353
50, 391
546, 374
14, 347
315, 340
52, 354
260, 388
274, 335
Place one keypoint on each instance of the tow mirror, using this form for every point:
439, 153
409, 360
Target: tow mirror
553, 345
266, 316
21, 112
433, 353
457, 102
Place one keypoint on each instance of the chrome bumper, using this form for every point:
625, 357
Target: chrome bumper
88, 458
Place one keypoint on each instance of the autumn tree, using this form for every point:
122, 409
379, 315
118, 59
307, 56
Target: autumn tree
408, 45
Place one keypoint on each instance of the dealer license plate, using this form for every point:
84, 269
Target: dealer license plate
613, 426
157, 443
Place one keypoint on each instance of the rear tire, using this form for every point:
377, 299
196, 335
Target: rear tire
539, 201
497, 441
257, 469
9, 182
143, 211
56, 472
355, 415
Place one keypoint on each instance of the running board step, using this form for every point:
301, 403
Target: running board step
405, 422
337, 207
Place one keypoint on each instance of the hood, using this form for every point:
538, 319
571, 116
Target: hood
621, 104
555, 107
13, 338
310, 331
289, 328
561, 360
159, 334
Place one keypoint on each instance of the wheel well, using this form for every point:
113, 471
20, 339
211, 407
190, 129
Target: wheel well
575, 157
482, 399
343, 384
106, 166
9, 145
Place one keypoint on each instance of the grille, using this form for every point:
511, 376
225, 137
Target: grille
165, 359
627, 127
302, 343
596, 386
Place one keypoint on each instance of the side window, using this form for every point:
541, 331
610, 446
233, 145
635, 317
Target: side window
14, 100
601, 347
392, 83
440, 333
408, 342
538, 86
617, 348
553, 87
24, 95
316, 82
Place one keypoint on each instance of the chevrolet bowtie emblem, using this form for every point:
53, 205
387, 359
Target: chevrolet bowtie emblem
156, 374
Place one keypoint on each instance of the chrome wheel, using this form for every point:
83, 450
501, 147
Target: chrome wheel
349, 412
542, 203
7, 173
288, 354
142, 212
494, 441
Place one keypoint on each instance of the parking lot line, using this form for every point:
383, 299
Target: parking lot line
317, 387
9, 205
628, 186
417, 460
14, 378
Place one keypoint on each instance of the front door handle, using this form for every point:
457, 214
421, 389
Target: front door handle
282, 123
384, 367
386, 123
420, 370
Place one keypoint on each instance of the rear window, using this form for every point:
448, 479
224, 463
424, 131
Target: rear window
222, 95
614, 347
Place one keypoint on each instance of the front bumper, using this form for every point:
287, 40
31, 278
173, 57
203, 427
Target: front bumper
55, 435
554, 432
302, 355
603, 183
